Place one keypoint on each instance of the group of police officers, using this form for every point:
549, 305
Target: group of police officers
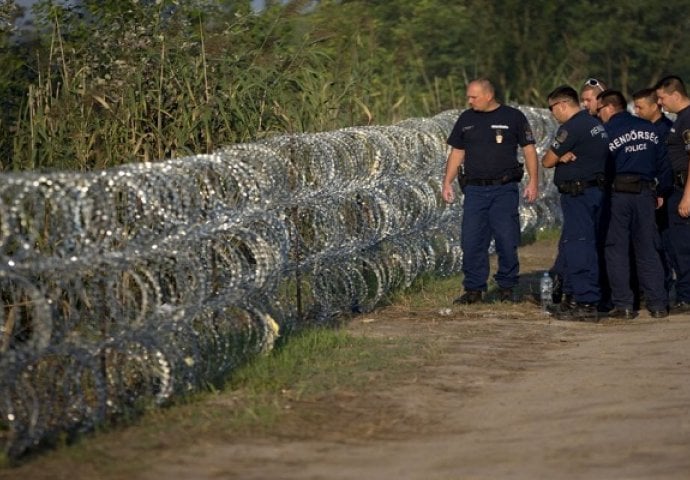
624, 195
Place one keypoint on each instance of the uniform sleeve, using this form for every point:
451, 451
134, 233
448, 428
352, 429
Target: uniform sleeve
664, 174
456, 138
562, 141
686, 137
525, 134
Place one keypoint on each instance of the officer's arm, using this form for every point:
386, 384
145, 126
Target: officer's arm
531, 164
453, 164
550, 159
684, 205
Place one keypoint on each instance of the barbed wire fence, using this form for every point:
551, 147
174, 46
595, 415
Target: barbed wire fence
127, 287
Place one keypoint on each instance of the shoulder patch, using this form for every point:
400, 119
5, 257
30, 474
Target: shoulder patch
686, 136
529, 136
561, 136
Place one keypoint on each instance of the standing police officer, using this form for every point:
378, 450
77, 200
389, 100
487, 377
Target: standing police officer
637, 162
588, 94
646, 105
578, 153
588, 101
674, 98
483, 156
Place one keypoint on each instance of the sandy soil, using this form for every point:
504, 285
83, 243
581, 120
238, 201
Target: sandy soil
515, 395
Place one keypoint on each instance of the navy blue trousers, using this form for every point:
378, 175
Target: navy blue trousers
579, 260
633, 221
490, 212
679, 246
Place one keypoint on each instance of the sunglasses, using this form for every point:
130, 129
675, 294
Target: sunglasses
593, 82
554, 104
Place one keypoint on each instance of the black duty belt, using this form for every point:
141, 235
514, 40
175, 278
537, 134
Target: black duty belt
632, 183
577, 187
512, 175
487, 182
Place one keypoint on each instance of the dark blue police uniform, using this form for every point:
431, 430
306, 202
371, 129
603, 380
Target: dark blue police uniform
489, 179
678, 145
663, 127
580, 183
638, 161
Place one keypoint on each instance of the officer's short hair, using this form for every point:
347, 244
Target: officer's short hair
564, 92
646, 93
670, 84
613, 97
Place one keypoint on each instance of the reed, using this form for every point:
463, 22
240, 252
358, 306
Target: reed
158, 91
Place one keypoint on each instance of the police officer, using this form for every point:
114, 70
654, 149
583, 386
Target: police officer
484, 144
637, 162
588, 101
578, 153
588, 94
646, 105
673, 98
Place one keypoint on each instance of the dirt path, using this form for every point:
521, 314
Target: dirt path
514, 395
520, 399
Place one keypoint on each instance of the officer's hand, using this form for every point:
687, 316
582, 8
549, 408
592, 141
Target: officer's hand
659, 202
531, 192
448, 194
567, 157
684, 206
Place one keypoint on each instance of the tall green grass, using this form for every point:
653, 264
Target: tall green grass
150, 90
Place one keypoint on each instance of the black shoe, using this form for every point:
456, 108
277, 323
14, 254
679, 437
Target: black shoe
623, 313
580, 312
661, 313
469, 297
557, 309
506, 295
680, 307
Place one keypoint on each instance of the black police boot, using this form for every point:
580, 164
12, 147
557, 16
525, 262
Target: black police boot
580, 312
469, 297
507, 295
557, 309
622, 313
658, 313
681, 307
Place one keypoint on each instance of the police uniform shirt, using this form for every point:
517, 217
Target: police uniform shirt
636, 148
678, 141
585, 136
663, 127
490, 140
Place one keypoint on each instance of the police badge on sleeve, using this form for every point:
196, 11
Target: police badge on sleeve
686, 139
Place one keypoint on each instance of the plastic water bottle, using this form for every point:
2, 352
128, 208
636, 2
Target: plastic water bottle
546, 290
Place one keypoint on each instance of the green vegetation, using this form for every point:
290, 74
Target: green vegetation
315, 363
100, 83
